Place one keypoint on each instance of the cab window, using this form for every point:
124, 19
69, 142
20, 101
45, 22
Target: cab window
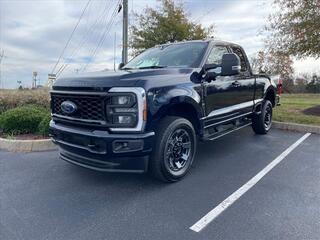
241, 55
216, 54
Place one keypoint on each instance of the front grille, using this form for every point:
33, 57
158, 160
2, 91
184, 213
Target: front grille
90, 108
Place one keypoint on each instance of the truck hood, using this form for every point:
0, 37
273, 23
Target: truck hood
146, 78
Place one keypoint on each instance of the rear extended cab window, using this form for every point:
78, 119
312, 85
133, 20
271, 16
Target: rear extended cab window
245, 70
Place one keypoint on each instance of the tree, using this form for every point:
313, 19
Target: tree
167, 24
275, 63
301, 84
314, 85
258, 63
295, 28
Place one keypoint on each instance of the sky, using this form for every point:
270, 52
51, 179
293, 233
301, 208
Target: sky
33, 33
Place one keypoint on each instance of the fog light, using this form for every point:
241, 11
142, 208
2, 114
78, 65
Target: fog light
127, 145
120, 146
123, 119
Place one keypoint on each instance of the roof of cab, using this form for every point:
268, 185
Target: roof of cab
209, 40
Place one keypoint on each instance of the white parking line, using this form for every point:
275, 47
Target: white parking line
215, 212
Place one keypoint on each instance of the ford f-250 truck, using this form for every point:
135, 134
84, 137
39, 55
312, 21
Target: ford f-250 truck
149, 115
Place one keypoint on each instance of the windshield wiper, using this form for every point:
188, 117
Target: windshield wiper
127, 68
153, 66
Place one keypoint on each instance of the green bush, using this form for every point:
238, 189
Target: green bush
22, 119
43, 127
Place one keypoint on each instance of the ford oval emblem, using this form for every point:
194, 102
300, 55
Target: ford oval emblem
68, 107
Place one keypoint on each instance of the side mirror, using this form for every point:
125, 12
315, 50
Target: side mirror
196, 77
230, 64
205, 74
211, 72
121, 65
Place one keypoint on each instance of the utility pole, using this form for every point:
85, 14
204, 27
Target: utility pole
34, 79
125, 32
114, 50
1, 57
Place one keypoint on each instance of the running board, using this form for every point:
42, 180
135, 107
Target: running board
218, 135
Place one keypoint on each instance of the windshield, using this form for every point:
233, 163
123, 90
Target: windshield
172, 55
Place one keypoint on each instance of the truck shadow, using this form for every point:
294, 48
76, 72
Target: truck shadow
208, 153
211, 156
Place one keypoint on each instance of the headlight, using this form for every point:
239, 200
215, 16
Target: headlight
122, 100
122, 110
125, 109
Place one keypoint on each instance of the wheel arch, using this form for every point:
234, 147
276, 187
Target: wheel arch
181, 106
271, 96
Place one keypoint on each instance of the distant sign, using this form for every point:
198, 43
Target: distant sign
51, 79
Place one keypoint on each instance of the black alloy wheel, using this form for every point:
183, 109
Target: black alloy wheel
178, 150
174, 149
262, 121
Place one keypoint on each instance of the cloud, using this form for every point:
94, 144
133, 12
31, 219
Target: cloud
33, 33
308, 65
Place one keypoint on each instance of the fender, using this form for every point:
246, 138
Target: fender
160, 100
263, 86
269, 92
270, 88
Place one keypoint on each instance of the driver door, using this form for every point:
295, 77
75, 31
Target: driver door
220, 95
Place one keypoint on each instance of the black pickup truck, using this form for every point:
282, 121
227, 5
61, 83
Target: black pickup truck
149, 115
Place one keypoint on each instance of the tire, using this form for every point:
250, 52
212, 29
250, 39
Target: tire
261, 123
174, 150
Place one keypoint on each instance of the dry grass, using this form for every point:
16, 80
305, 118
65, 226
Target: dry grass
15, 98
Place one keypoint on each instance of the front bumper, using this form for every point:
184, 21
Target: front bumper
101, 150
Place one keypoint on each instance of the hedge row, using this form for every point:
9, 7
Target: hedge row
10, 99
26, 119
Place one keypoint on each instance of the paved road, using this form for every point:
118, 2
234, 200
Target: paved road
43, 197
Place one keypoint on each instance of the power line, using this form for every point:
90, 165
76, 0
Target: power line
86, 36
63, 67
204, 15
71, 35
105, 34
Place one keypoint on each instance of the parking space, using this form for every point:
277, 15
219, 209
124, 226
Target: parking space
285, 204
43, 197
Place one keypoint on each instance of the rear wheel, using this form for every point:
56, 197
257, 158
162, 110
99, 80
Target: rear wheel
261, 123
174, 151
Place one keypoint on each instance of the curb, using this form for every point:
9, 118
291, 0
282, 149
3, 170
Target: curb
296, 127
27, 145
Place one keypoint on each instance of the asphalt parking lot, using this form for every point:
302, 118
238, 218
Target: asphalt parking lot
43, 197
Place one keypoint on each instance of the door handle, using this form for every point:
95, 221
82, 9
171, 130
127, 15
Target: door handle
235, 84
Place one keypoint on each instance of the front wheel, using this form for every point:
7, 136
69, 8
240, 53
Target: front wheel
174, 149
261, 123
